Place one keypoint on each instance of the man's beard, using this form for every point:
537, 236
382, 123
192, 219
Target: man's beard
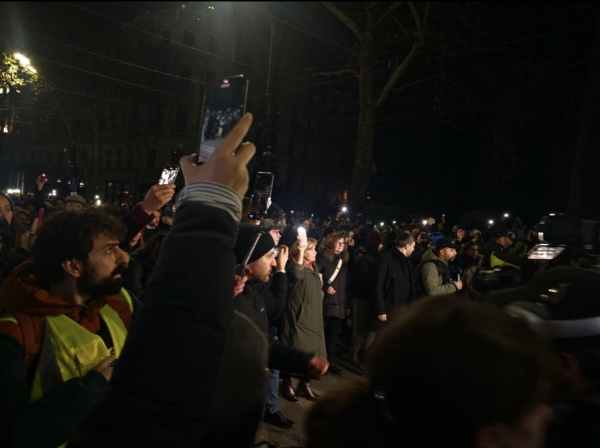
89, 284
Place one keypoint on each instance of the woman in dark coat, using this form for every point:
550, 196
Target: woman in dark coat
302, 322
336, 305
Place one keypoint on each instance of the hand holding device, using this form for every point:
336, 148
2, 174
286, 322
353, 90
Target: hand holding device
223, 167
157, 197
41, 181
169, 175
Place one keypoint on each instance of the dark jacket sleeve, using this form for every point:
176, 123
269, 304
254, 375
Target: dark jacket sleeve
164, 382
133, 277
38, 198
276, 297
286, 358
134, 220
49, 421
379, 274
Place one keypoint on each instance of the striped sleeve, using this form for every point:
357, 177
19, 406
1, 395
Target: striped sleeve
215, 195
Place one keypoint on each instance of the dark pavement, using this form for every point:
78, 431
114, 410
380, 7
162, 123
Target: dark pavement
298, 411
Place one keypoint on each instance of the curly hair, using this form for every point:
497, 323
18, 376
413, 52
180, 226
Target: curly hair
70, 236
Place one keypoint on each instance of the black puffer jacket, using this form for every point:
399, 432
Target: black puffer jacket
334, 305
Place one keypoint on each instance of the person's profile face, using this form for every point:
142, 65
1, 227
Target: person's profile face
410, 249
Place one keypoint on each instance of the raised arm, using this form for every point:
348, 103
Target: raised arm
164, 381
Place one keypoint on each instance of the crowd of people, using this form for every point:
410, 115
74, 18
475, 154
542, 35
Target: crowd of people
162, 326
218, 124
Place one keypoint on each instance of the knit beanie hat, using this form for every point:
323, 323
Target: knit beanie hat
245, 239
75, 198
374, 238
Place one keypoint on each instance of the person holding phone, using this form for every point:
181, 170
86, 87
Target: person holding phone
302, 323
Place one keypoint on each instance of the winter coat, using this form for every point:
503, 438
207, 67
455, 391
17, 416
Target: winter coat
252, 304
359, 287
302, 323
52, 419
334, 305
393, 286
433, 275
141, 256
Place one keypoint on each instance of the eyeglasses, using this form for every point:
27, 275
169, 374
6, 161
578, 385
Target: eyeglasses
339, 244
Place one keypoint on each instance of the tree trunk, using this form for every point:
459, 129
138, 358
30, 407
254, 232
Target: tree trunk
585, 189
364, 167
363, 157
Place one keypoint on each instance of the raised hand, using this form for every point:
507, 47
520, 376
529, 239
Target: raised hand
227, 165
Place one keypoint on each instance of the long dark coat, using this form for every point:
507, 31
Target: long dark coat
302, 323
335, 305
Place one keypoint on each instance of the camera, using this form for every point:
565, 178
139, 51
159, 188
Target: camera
558, 232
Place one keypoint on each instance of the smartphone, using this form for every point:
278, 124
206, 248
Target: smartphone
261, 196
43, 177
169, 175
225, 104
302, 235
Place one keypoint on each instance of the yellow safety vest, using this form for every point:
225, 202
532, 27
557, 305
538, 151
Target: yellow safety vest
496, 262
70, 351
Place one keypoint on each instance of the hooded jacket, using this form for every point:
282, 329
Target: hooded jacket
51, 420
434, 276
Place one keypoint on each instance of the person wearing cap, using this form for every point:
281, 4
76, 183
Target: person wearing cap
561, 306
433, 274
495, 252
251, 303
74, 203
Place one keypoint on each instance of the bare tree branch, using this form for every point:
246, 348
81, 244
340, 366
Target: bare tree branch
426, 16
419, 81
345, 20
338, 72
417, 19
414, 51
400, 26
388, 12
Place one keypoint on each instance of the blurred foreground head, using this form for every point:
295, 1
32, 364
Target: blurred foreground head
447, 373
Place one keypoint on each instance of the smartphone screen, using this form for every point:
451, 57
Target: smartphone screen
224, 106
169, 175
261, 197
302, 235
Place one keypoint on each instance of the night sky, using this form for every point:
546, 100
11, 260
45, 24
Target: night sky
500, 136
